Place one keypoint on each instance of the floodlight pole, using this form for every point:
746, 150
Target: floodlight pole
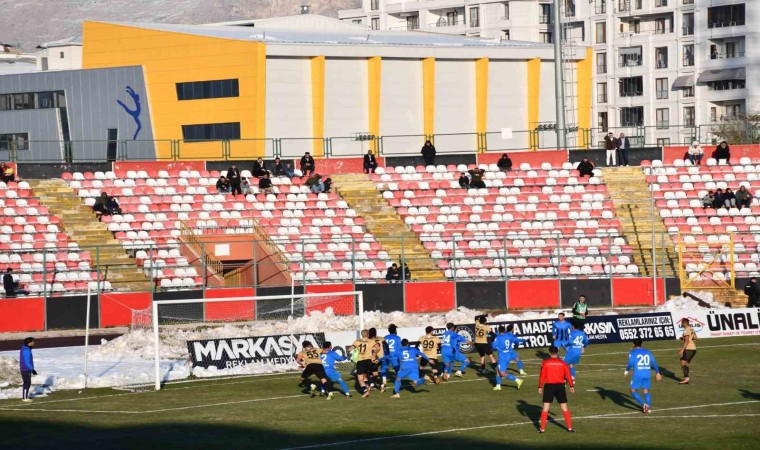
559, 79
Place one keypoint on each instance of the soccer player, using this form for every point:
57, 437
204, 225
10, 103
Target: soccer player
429, 345
515, 342
503, 345
380, 364
560, 331
688, 350
392, 345
641, 361
551, 384
482, 332
310, 361
329, 358
367, 351
575, 346
409, 368
450, 352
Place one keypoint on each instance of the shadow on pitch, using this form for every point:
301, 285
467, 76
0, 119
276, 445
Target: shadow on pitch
619, 398
750, 395
669, 374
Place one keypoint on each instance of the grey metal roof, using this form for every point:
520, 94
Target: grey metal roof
73, 40
287, 36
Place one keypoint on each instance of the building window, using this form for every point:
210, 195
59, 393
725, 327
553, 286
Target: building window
623, 5
600, 7
452, 18
601, 92
211, 131
688, 92
474, 17
638, 4
601, 32
545, 37
375, 23
688, 55
569, 8
61, 55
357, 21
505, 12
731, 50
14, 141
413, 22
662, 142
197, 90
713, 114
662, 118
661, 88
601, 63
505, 35
688, 24
601, 121
632, 117
32, 100
725, 16
733, 111
634, 26
546, 13
631, 86
23, 101
688, 116
661, 57
688, 2
630, 56
725, 85
661, 26
374, 5
660, 3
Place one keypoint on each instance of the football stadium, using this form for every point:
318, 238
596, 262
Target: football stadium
304, 232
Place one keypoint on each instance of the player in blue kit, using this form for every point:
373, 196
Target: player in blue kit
329, 357
450, 353
391, 348
515, 342
642, 362
409, 368
504, 345
575, 346
560, 331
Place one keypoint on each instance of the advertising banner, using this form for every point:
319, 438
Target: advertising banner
711, 323
233, 352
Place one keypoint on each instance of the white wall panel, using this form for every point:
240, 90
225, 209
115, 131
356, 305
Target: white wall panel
455, 105
401, 105
346, 107
507, 104
288, 98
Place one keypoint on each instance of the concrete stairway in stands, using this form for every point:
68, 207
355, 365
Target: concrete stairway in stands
630, 195
386, 225
81, 225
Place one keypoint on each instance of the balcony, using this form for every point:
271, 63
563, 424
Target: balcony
445, 26
630, 62
727, 55
725, 24
401, 7
544, 18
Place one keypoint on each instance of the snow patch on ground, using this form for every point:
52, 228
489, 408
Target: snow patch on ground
685, 303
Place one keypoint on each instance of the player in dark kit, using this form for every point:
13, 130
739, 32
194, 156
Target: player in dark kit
482, 344
551, 384
311, 362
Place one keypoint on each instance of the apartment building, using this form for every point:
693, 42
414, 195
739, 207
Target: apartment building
662, 68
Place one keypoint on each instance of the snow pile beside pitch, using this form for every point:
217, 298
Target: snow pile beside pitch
685, 303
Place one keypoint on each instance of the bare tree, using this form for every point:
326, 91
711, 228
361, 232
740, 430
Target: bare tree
738, 130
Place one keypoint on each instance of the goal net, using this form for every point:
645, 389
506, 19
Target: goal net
244, 335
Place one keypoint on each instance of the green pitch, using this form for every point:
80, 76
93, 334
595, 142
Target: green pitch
719, 410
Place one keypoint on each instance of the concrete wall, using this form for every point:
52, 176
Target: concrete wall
346, 103
288, 100
401, 111
455, 105
505, 109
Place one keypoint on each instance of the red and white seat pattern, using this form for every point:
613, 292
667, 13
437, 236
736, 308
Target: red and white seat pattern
33, 245
678, 191
318, 234
527, 222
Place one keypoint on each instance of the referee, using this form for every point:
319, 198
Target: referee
551, 383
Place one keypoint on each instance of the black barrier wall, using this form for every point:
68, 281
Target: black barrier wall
635, 156
64, 313
418, 161
597, 292
45, 171
192, 311
382, 297
273, 309
482, 294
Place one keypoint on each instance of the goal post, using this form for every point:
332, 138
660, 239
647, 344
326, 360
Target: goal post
198, 318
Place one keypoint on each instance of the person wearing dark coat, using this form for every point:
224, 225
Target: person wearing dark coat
393, 274
464, 181
407, 273
112, 205
233, 176
743, 198
258, 168
752, 291
100, 207
585, 167
370, 162
328, 184
718, 199
307, 164
722, 151
729, 199
265, 184
9, 284
428, 153
504, 163
476, 178
222, 185
279, 169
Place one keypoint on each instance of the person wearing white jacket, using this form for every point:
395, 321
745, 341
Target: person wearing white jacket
696, 152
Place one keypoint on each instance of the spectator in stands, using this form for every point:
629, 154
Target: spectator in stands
11, 286
718, 200
708, 200
328, 184
265, 184
393, 274
729, 199
279, 169
258, 168
610, 144
8, 173
222, 185
100, 207
464, 181
586, 167
695, 153
428, 153
623, 144
315, 183
407, 272
743, 198
112, 205
370, 162
504, 163
233, 176
245, 187
307, 164
476, 178
722, 151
